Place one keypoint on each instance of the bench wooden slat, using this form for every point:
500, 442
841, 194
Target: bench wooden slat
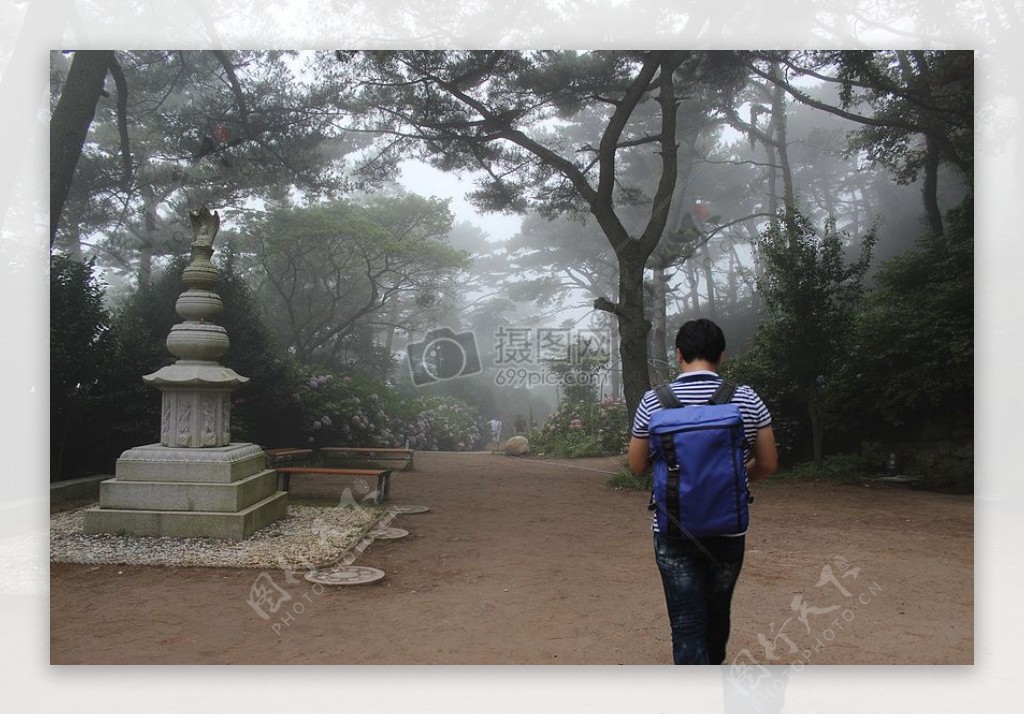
329, 470
383, 453
392, 450
378, 453
382, 475
287, 452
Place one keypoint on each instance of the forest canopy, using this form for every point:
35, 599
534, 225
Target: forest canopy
816, 204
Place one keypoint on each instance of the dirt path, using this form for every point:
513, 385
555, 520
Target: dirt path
532, 562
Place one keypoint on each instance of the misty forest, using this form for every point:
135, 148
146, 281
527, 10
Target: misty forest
818, 205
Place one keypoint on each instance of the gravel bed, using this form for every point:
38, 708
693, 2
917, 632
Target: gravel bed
308, 535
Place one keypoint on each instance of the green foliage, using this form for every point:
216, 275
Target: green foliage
910, 93
905, 377
327, 272
916, 332
353, 409
445, 423
578, 371
946, 466
80, 338
845, 468
218, 127
812, 293
584, 429
265, 411
940, 467
349, 409
82, 365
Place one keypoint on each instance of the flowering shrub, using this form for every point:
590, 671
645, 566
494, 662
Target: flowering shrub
584, 429
445, 423
347, 410
353, 410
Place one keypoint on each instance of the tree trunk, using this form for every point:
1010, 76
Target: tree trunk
758, 272
389, 331
732, 287
69, 124
616, 366
659, 356
633, 330
148, 240
692, 282
709, 278
931, 186
779, 136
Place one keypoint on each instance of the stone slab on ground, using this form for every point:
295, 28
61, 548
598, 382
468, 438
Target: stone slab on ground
211, 524
81, 488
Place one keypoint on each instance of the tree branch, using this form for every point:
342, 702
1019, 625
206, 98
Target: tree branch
804, 98
617, 123
669, 151
602, 303
236, 88
122, 120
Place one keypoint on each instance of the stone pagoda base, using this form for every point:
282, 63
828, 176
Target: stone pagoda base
217, 492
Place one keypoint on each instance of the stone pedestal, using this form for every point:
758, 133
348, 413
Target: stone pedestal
196, 482
222, 492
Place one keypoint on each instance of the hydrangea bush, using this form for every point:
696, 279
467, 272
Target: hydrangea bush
584, 429
354, 410
445, 423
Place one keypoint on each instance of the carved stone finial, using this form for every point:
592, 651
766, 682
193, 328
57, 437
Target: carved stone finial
204, 225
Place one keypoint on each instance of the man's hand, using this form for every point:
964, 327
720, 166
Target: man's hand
766, 456
639, 455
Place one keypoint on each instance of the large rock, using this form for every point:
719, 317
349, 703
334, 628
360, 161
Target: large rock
517, 446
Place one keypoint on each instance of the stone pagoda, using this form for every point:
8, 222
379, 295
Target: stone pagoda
196, 482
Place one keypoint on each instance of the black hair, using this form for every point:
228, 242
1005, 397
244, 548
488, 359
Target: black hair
700, 340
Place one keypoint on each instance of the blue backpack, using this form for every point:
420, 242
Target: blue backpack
700, 480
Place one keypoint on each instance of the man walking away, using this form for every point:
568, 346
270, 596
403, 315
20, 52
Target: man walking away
699, 573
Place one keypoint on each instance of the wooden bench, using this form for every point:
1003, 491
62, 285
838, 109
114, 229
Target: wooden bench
374, 453
383, 477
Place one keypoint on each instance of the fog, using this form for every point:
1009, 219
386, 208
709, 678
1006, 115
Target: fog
464, 224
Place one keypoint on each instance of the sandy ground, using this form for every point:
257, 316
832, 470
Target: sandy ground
543, 563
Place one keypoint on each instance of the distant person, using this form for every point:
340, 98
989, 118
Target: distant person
699, 573
520, 425
496, 431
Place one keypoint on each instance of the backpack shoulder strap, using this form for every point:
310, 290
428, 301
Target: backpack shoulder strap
723, 395
666, 397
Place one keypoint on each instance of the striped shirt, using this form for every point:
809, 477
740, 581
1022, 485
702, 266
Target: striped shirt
698, 388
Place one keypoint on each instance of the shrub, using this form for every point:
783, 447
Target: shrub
445, 423
353, 409
83, 359
584, 429
845, 468
348, 409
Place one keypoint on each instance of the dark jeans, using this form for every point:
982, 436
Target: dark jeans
698, 592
